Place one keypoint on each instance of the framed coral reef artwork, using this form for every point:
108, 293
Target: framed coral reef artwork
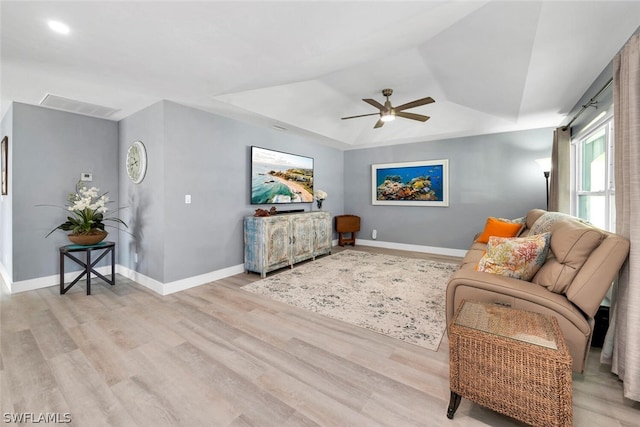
4, 158
424, 183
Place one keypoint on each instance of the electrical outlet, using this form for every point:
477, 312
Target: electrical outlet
187, 198
86, 176
374, 234
135, 257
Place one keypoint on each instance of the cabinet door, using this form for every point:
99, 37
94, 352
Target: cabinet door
277, 245
322, 228
302, 235
253, 247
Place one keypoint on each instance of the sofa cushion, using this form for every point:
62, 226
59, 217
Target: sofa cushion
545, 221
571, 244
519, 257
531, 218
496, 227
520, 221
473, 255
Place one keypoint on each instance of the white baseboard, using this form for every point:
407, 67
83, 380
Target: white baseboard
140, 278
190, 282
5, 278
147, 282
178, 285
46, 281
415, 248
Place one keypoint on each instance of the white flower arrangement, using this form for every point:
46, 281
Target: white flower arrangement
320, 195
87, 208
88, 198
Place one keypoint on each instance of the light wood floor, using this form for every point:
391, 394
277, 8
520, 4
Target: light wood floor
219, 356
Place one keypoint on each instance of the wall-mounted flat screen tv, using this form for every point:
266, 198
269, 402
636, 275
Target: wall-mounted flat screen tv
278, 177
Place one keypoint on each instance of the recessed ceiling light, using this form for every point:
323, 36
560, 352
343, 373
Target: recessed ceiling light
59, 27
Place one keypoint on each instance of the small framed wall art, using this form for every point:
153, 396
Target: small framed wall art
424, 183
4, 158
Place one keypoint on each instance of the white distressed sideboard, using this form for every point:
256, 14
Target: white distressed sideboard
272, 242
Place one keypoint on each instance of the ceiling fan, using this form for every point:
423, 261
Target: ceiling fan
388, 112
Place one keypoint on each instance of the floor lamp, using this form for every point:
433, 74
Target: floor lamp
545, 165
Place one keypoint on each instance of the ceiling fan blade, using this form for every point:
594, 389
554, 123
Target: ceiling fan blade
416, 103
378, 124
374, 103
361, 115
412, 116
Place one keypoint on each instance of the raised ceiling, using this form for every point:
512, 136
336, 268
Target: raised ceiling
491, 66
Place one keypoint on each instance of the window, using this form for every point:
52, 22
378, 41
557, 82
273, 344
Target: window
594, 191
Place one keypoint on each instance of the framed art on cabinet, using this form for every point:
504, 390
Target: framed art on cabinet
424, 183
4, 158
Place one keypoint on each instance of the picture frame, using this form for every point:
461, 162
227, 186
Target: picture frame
421, 183
4, 159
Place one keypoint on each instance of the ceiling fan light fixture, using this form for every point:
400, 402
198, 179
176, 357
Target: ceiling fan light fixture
387, 117
59, 27
388, 112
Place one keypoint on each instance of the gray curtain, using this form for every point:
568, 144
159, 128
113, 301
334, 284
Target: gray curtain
622, 344
560, 180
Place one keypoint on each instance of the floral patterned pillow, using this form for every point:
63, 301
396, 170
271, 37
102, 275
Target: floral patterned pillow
517, 257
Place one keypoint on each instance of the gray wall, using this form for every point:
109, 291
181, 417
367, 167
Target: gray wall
208, 157
6, 252
50, 149
143, 204
490, 175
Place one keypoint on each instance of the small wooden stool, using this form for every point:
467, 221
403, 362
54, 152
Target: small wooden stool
347, 224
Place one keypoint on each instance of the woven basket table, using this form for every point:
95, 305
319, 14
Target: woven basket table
511, 361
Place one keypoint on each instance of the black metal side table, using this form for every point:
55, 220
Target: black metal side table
107, 247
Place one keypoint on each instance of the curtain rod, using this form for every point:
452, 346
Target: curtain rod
593, 101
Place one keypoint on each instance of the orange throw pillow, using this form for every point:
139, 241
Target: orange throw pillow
495, 227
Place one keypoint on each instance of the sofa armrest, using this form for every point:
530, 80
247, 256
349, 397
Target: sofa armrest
595, 277
511, 288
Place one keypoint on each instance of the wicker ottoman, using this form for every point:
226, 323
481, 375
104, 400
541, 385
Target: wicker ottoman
512, 361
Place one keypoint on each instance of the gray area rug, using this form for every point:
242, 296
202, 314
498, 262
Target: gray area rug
403, 298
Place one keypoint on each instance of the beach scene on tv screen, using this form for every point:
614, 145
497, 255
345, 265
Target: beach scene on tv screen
278, 177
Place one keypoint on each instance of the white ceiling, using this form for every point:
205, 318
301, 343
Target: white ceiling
491, 66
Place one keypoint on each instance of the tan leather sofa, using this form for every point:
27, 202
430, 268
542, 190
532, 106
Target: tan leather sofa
582, 263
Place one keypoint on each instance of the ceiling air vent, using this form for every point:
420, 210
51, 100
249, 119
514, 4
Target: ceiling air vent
75, 106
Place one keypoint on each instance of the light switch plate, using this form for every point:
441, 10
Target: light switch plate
86, 176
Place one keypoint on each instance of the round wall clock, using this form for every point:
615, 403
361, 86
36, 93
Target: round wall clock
137, 162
